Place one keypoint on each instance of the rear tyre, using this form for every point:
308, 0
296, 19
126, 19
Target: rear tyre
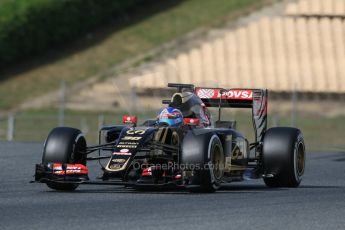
283, 157
209, 178
64, 145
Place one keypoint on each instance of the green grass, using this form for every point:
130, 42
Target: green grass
5, 1
113, 44
320, 133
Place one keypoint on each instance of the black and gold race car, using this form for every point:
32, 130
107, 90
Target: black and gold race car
198, 155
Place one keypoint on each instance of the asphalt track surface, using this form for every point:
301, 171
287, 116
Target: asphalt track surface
319, 203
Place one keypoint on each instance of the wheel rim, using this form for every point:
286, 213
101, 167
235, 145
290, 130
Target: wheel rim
217, 162
300, 160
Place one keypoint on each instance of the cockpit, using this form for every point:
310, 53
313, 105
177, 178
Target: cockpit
191, 106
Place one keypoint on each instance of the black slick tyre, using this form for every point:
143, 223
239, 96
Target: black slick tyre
64, 145
209, 178
283, 157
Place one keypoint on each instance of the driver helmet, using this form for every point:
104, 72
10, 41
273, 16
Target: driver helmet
170, 117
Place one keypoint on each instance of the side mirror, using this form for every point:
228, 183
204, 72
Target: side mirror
130, 120
191, 121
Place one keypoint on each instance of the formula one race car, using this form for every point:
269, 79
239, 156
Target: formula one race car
195, 154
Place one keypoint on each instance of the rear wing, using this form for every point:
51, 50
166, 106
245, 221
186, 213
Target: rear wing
256, 99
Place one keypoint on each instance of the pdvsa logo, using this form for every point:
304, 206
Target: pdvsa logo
236, 94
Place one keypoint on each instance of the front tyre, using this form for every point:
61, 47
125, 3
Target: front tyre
64, 145
209, 178
62, 187
283, 157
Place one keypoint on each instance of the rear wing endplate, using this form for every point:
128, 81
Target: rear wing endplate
239, 98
